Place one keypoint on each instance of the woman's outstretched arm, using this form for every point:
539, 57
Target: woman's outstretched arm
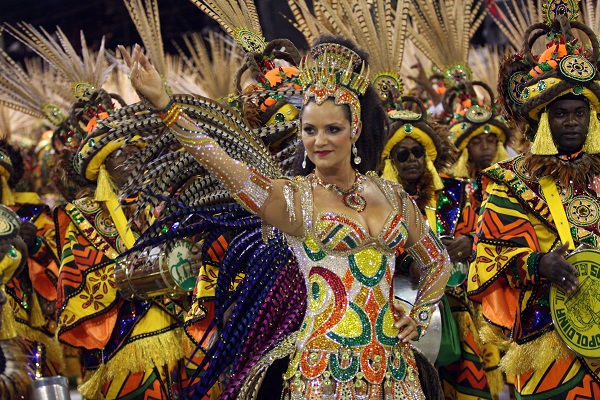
260, 194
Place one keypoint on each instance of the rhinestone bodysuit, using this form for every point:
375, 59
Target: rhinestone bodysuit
347, 347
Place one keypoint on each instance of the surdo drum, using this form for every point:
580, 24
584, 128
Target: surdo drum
163, 270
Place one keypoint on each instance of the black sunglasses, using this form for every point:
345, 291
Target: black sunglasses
417, 151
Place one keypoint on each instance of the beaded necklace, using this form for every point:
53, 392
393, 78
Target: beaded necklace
350, 197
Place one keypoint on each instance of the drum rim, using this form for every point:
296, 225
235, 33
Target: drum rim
554, 288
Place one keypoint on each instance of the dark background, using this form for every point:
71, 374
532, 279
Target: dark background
111, 19
178, 17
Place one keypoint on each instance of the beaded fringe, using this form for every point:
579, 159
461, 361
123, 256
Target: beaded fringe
140, 355
534, 355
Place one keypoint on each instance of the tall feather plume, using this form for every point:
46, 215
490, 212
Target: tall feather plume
380, 29
514, 17
182, 77
213, 67
92, 68
18, 127
590, 13
144, 14
232, 15
485, 64
412, 56
27, 91
310, 23
375, 26
443, 29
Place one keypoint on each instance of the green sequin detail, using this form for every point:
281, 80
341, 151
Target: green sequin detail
362, 278
343, 374
365, 336
316, 292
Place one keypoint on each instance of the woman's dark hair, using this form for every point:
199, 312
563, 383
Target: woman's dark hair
374, 126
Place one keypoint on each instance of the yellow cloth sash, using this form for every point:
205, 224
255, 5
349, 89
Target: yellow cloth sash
557, 210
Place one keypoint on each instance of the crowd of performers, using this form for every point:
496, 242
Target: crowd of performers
233, 222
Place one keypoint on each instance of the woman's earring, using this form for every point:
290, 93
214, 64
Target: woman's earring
357, 159
304, 161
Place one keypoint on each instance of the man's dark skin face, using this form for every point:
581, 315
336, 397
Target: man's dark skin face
569, 120
482, 150
412, 169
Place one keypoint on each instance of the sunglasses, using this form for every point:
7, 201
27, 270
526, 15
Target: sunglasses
417, 151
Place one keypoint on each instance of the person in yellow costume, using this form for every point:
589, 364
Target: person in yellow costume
129, 348
413, 156
32, 292
535, 207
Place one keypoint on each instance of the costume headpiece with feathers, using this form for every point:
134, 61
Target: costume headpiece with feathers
24, 90
443, 30
529, 82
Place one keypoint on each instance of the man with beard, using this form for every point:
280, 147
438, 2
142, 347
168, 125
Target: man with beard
538, 205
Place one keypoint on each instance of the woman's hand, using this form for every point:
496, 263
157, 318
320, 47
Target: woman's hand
405, 324
145, 78
459, 249
556, 269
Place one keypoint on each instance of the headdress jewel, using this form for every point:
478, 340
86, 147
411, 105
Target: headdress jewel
328, 71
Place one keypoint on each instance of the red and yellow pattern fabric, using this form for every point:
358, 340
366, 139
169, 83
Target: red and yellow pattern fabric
515, 230
32, 294
130, 349
467, 222
467, 378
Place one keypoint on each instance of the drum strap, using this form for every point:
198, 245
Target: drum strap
557, 210
118, 217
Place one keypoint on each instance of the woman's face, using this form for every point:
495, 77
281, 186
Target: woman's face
326, 134
409, 159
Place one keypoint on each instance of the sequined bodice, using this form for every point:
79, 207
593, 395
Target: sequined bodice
348, 277
338, 232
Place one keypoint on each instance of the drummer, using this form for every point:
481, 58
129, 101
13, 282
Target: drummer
540, 205
413, 155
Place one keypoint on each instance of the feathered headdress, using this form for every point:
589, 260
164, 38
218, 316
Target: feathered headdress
442, 30
529, 82
213, 67
375, 26
145, 16
84, 74
26, 91
239, 19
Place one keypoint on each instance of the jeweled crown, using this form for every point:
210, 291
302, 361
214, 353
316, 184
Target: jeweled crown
330, 65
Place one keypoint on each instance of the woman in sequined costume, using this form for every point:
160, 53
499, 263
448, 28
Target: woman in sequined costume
344, 227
